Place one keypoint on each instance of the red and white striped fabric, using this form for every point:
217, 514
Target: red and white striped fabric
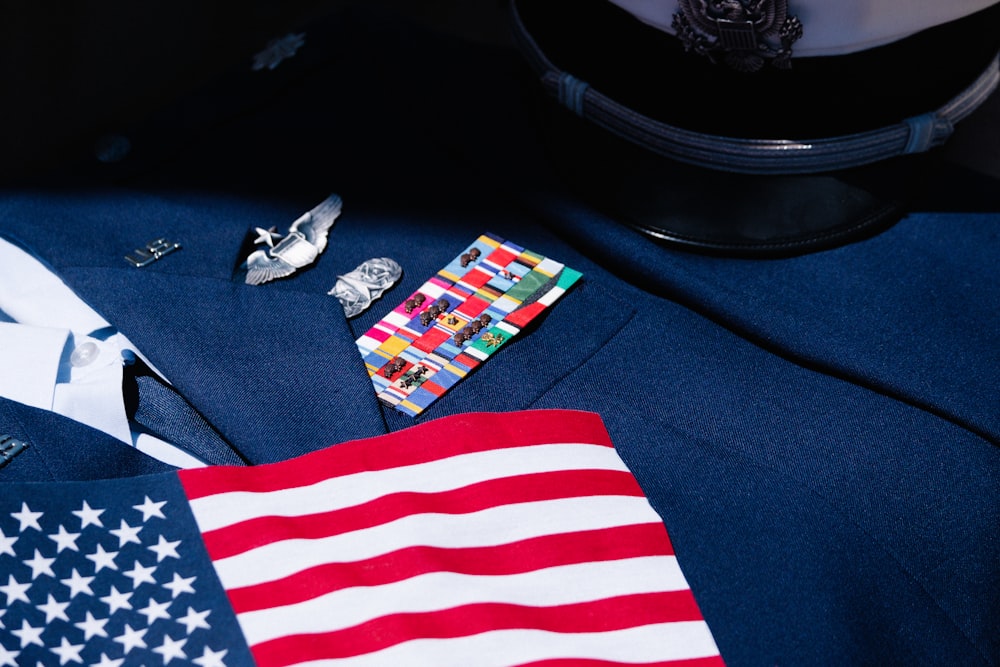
480, 539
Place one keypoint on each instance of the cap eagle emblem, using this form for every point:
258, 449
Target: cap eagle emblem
744, 34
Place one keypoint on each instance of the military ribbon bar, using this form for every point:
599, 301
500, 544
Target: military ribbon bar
457, 319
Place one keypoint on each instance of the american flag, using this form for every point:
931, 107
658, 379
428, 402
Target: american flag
481, 539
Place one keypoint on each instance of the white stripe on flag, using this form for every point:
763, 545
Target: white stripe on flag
498, 525
217, 511
646, 644
549, 587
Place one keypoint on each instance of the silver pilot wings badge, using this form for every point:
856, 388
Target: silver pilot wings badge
305, 240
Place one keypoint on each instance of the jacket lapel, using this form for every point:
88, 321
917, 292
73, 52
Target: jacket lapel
272, 367
271, 370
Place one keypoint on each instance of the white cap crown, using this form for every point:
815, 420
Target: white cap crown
831, 27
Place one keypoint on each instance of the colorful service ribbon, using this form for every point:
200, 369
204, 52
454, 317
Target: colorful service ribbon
459, 318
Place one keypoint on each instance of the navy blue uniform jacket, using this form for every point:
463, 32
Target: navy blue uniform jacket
820, 434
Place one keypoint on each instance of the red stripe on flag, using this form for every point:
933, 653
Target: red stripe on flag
434, 440
529, 555
247, 535
598, 616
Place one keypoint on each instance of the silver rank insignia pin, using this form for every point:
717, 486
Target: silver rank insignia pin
151, 252
305, 240
359, 288
9, 448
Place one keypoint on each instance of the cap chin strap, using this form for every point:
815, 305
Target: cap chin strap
757, 156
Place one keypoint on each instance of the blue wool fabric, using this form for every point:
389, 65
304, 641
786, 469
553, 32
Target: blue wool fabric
820, 434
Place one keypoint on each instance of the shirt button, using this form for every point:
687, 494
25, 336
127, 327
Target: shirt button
84, 354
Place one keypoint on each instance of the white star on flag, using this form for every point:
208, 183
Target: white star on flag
103, 559
15, 590
131, 639
126, 534
93, 627
54, 609
194, 620
64, 539
155, 610
67, 652
109, 662
27, 518
7, 544
40, 565
150, 509
117, 600
28, 634
78, 583
210, 658
89, 516
164, 549
171, 648
179, 585
141, 574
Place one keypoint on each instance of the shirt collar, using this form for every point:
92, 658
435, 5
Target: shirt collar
59, 354
48, 360
29, 359
34, 295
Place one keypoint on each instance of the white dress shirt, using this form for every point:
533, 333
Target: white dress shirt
58, 354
